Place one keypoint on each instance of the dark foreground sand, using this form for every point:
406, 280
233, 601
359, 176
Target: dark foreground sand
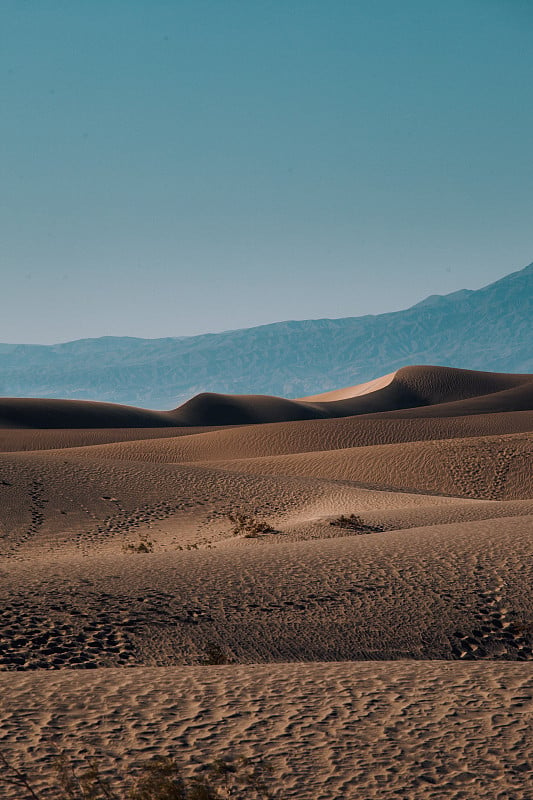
393, 661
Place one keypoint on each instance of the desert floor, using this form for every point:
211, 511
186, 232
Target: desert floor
389, 656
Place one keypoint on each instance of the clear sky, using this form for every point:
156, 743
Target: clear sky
173, 167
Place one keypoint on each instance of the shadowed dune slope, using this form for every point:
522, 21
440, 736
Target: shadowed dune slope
518, 398
21, 412
463, 391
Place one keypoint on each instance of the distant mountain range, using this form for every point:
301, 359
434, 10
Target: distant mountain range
488, 329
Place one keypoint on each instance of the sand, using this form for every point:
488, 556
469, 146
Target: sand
368, 730
392, 660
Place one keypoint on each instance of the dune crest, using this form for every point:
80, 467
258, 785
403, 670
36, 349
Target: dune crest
352, 391
441, 391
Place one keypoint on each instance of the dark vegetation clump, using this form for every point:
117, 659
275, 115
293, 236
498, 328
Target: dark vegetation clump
215, 655
356, 524
144, 545
157, 779
248, 526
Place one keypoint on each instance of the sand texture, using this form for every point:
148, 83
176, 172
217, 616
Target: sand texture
407, 730
384, 655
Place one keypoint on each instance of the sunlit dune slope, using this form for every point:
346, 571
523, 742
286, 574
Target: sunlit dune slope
353, 391
492, 467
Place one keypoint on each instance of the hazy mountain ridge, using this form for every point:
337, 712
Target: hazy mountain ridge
486, 329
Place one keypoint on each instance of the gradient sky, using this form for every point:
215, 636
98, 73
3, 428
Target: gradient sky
172, 168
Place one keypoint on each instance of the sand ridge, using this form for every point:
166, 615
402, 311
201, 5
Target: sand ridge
458, 391
491, 467
353, 391
269, 439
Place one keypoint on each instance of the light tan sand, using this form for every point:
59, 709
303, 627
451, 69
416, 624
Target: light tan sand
406, 730
354, 391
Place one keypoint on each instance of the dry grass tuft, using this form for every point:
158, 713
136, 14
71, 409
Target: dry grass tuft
158, 779
248, 526
143, 545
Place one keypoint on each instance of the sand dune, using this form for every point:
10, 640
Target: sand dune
517, 398
464, 391
268, 439
45, 413
409, 387
491, 467
20, 439
58, 499
346, 654
449, 591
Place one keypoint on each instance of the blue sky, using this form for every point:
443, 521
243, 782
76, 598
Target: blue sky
173, 168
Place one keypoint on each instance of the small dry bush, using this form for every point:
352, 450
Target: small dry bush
248, 526
158, 779
215, 655
143, 545
355, 523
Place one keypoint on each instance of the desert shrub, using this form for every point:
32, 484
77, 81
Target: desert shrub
143, 545
249, 526
158, 779
355, 523
214, 655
